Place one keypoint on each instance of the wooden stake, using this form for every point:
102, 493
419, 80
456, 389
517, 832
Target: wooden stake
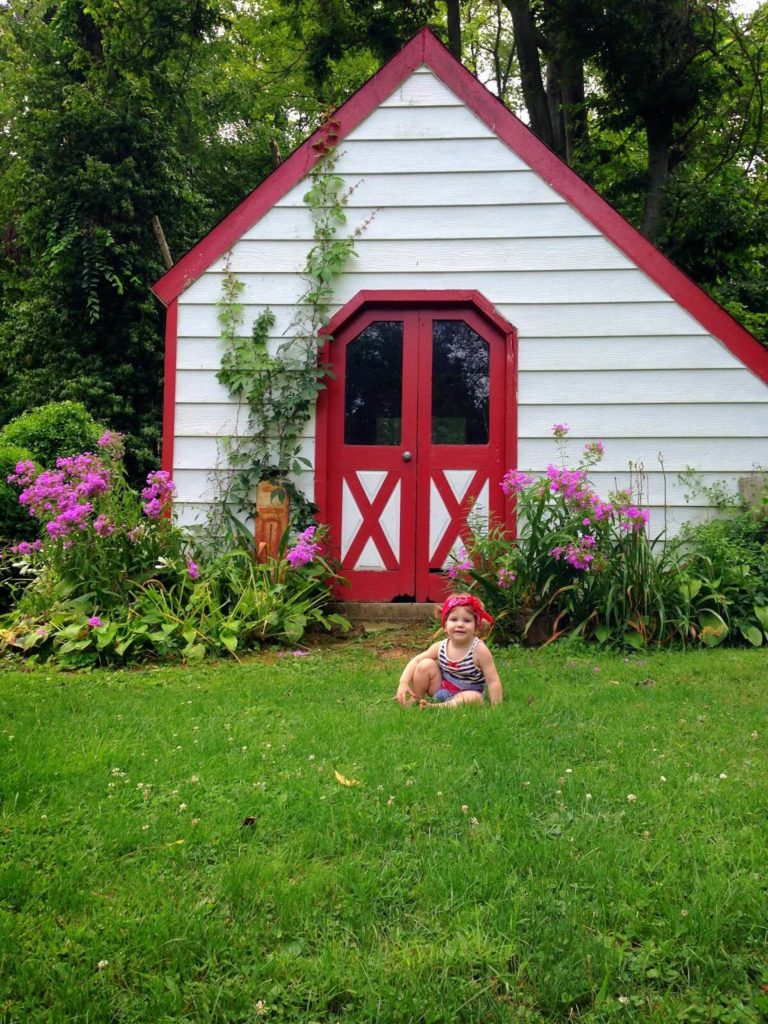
158, 229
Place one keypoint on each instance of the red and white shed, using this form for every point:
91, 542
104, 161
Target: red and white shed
493, 294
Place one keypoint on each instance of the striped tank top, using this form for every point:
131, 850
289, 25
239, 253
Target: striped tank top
464, 674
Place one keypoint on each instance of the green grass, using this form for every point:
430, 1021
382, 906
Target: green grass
488, 867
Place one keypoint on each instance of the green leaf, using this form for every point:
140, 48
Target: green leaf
634, 640
713, 629
761, 613
229, 640
752, 635
602, 633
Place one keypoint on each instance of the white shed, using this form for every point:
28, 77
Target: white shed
493, 294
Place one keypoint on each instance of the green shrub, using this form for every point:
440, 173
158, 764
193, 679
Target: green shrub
112, 580
15, 521
53, 431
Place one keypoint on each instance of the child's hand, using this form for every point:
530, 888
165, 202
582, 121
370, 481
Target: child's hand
405, 695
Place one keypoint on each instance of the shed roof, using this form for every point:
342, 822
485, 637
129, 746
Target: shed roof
425, 49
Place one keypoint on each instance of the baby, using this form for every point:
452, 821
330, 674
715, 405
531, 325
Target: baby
458, 669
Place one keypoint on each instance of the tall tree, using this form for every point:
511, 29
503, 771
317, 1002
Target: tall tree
98, 137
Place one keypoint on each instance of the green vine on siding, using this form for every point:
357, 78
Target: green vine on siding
279, 388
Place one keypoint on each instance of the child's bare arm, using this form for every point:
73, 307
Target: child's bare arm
484, 661
404, 695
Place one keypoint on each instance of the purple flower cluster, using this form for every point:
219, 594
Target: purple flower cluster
305, 550
515, 481
560, 430
62, 497
26, 547
633, 518
461, 562
578, 556
158, 494
113, 443
193, 569
505, 578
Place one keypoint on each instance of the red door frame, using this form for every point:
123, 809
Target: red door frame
354, 316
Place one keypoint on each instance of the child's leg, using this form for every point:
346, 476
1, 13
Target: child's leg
426, 678
465, 697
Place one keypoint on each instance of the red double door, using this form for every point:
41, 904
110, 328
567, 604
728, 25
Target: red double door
416, 432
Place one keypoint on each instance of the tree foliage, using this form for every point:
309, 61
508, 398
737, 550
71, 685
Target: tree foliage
113, 113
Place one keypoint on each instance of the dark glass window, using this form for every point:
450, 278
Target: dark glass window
460, 386
374, 385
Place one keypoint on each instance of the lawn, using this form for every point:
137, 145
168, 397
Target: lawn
279, 841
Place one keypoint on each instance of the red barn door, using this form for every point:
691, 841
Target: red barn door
417, 428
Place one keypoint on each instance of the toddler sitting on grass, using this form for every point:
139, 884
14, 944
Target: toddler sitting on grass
457, 670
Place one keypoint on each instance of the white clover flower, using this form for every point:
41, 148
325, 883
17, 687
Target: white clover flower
182, 807
631, 798
588, 796
723, 775
465, 808
102, 964
662, 778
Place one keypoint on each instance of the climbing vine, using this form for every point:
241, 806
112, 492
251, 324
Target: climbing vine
278, 386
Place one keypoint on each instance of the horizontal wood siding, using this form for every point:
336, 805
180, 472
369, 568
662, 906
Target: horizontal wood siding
447, 205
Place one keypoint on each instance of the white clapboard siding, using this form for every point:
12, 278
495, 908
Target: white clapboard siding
403, 223
201, 485
580, 255
716, 456
434, 122
195, 452
421, 89
729, 419
572, 286
495, 188
427, 156
702, 351
201, 420
575, 321
446, 205
662, 387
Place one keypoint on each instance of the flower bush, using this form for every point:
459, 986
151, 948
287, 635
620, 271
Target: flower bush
579, 564
113, 579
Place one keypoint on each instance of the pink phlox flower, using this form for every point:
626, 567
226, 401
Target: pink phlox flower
72, 518
594, 451
193, 569
633, 518
103, 525
26, 547
114, 442
94, 621
305, 550
515, 481
505, 578
560, 429
158, 494
565, 481
24, 475
461, 562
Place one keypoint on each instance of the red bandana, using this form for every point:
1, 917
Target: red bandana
462, 600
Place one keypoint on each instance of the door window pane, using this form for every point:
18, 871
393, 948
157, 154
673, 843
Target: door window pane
460, 386
374, 385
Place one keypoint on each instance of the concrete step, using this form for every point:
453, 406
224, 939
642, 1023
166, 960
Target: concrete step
384, 614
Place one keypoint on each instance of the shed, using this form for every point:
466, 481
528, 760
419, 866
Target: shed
493, 294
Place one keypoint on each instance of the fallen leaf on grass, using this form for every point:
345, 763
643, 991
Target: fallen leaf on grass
343, 781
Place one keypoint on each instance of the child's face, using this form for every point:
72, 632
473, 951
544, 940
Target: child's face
460, 623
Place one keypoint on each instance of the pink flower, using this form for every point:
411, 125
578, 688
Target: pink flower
560, 430
305, 550
193, 569
94, 621
158, 494
515, 481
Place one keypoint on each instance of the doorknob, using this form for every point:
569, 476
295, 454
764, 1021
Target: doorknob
407, 456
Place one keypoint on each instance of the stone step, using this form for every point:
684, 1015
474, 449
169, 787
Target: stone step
388, 613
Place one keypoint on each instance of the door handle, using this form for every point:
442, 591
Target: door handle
407, 456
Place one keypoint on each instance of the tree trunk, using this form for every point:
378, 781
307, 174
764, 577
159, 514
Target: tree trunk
530, 70
454, 28
659, 135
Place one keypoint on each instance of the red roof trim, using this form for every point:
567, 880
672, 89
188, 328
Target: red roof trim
169, 389
424, 48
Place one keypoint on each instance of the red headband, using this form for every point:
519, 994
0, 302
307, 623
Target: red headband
468, 600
